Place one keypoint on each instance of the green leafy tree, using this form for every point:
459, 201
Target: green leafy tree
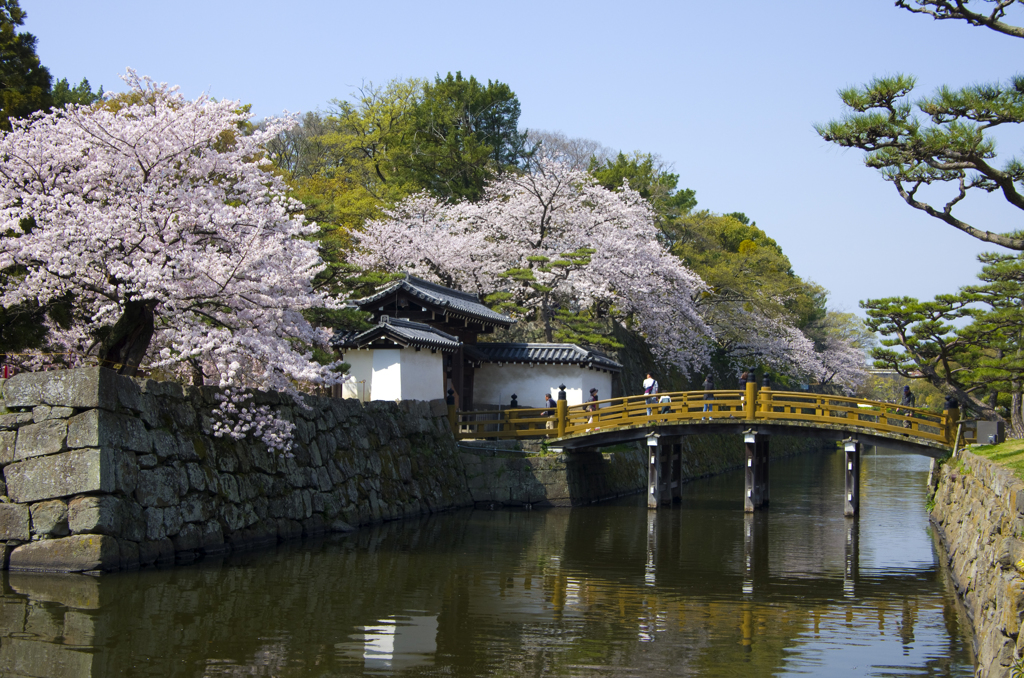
63, 93
920, 340
648, 176
998, 327
952, 149
463, 133
752, 284
24, 82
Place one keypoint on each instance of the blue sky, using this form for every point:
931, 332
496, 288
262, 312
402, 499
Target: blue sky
726, 92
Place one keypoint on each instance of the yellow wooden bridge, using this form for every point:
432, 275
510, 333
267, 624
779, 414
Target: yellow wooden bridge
755, 413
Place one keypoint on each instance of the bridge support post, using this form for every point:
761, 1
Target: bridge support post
664, 455
653, 471
851, 505
755, 491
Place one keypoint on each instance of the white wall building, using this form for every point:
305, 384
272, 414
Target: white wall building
396, 360
426, 342
531, 370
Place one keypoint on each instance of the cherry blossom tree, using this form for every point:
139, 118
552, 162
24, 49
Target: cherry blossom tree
547, 239
154, 217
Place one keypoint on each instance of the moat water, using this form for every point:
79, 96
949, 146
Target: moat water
699, 589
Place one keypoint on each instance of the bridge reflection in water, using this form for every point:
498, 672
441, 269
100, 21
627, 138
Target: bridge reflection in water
615, 589
755, 414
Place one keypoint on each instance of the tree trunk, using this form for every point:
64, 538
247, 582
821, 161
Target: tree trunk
198, 378
126, 345
545, 314
1017, 413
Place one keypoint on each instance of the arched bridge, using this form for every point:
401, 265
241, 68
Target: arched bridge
754, 413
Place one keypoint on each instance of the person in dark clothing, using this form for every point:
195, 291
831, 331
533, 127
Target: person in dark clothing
909, 400
592, 407
709, 386
549, 403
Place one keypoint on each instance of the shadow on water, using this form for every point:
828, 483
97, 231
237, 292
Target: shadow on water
613, 589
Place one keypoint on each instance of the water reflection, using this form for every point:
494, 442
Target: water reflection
701, 589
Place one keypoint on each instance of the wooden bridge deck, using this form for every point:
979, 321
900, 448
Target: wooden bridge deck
688, 413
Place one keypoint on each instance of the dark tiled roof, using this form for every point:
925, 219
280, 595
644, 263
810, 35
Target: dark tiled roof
546, 354
445, 299
403, 332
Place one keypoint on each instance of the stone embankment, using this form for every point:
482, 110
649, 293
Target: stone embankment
102, 472
979, 515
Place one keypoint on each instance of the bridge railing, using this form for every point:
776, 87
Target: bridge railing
694, 406
839, 410
526, 422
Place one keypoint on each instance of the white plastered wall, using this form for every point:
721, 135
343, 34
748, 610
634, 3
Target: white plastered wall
361, 371
422, 375
387, 374
495, 385
393, 374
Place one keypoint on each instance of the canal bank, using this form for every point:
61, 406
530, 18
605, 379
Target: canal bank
102, 472
607, 589
979, 516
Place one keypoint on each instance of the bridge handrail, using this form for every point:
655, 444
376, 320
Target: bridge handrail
680, 407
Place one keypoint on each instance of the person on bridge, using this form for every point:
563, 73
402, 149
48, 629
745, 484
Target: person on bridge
909, 400
650, 389
709, 386
592, 407
549, 403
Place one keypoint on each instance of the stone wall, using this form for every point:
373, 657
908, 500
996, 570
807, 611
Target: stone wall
101, 472
499, 474
979, 515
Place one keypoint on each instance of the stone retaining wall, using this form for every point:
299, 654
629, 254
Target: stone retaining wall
101, 472
979, 515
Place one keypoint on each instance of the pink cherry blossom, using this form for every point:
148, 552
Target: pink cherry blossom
164, 201
546, 213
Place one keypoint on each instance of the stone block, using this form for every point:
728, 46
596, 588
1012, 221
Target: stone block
46, 437
95, 515
77, 553
129, 554
50, 518
126, 471
157, 487
60, 475
86, 388
14, 522
172, 520
189, 538
100, 428
212, 538
15, 419
7, 444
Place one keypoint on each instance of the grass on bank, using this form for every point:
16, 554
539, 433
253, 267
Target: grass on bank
1009, 454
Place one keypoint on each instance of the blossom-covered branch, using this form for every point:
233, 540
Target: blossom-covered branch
154, 216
